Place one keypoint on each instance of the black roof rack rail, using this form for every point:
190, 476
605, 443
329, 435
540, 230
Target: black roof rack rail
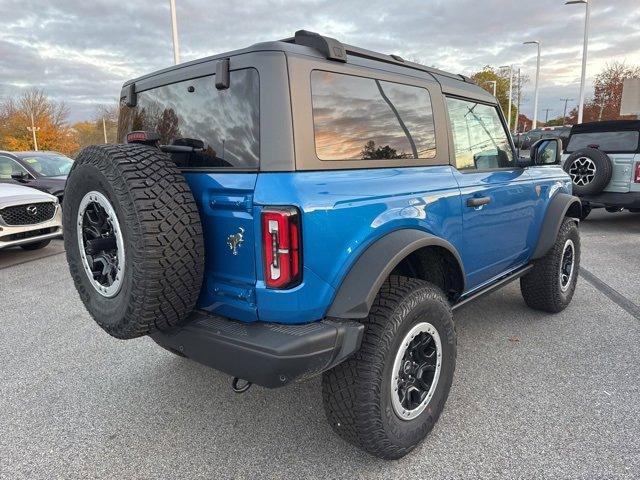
332, 49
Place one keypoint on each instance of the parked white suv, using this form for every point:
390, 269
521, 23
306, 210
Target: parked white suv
603, 161
28, 217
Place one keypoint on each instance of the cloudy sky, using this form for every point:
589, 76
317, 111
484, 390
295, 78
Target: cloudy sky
81, 51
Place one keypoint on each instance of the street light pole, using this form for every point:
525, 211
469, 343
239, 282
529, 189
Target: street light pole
104, 130
33, 129
494, 86
510, 94
519, 90
584, 53
564, 113
535, 95
174, 32
546, 115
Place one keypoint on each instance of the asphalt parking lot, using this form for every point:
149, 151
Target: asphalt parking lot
534, 396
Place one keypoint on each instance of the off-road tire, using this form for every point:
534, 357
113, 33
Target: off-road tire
162, 236
35, 245
541, 287
357, 393
603, 173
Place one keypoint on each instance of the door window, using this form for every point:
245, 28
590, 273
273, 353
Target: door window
479, 137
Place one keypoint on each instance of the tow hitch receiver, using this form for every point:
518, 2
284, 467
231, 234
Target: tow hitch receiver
238, 387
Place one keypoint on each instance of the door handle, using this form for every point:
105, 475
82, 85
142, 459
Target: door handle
478, 201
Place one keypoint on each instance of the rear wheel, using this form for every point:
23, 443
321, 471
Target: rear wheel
389, 395
133, 239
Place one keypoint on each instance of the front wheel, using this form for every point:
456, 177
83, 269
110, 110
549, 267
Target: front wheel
550, 285
389, 395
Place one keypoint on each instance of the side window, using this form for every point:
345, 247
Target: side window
479, 138
222, 125
8, 167
364, 118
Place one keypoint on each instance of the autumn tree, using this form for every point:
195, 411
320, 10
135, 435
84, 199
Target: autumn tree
49, 117
92, 132
607, 95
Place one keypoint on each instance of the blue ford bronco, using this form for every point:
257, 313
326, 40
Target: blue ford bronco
304, 207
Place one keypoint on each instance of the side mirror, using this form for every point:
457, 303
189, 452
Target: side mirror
20, 176
546, 151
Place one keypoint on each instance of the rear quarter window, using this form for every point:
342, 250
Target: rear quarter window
613, 142
358, 118
226, 121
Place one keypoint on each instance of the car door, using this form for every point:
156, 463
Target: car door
498, 197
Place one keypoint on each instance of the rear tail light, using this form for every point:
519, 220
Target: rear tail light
636, 177
281, 245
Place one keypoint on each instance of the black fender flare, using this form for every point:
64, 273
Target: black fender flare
361, 285
559, 206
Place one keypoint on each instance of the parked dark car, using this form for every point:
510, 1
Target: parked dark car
525, 140
45, 171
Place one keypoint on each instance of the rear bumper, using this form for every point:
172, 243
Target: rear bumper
611, 199
267, 354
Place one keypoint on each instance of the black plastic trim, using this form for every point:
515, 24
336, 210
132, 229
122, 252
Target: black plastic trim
267, 354
329, 47
556, 211
359, 288
131, 97
475, 295
614, 199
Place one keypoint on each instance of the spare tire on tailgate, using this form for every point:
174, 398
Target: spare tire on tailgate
133, 238
590, 170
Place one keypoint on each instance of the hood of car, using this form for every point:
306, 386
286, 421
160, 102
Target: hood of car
17, 194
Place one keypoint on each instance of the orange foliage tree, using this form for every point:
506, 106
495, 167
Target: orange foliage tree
607, 95
49, 116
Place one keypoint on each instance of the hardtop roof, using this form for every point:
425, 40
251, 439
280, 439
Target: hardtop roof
289, 45
606, 126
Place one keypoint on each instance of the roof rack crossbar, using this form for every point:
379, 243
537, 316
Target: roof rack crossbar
331, 48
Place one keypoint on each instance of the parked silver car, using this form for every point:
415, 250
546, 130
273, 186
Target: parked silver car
28, 217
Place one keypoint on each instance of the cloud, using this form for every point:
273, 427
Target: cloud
81, 52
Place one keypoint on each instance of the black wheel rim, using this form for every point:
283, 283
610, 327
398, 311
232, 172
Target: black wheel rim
566, 265
416, 371
101, 244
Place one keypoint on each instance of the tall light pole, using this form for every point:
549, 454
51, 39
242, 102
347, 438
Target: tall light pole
535, 95
519, 90
510, 67
584, 53
104, 130
564, 114
546, 114
33, 129
174, 32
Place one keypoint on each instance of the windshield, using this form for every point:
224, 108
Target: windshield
48, 165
